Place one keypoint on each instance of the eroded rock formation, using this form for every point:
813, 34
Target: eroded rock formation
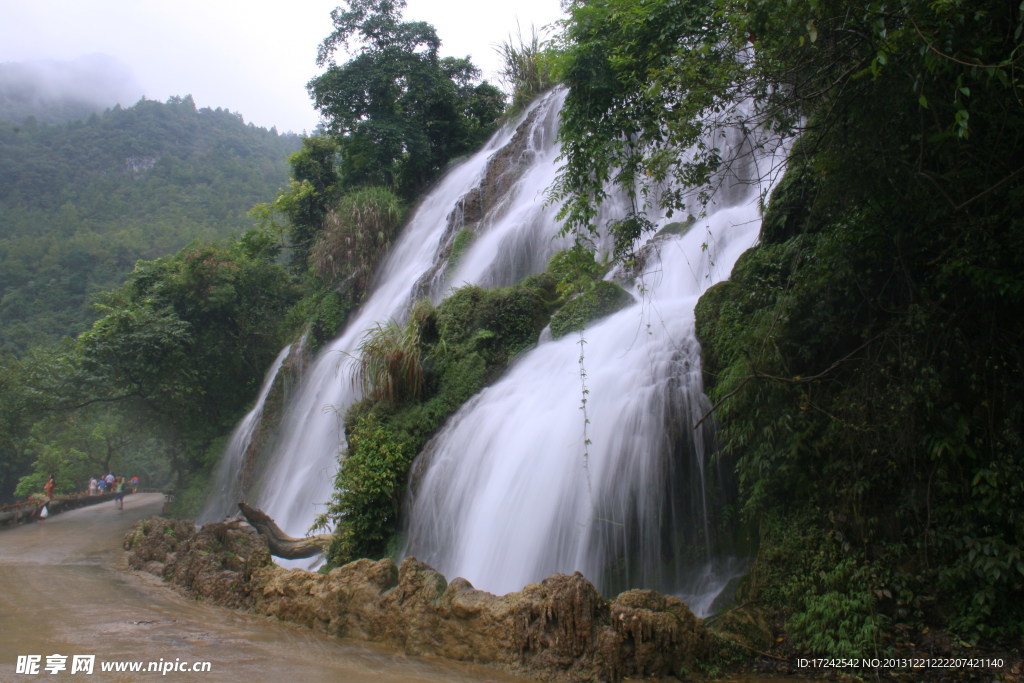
559, 628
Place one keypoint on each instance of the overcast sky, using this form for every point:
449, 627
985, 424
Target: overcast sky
253, 57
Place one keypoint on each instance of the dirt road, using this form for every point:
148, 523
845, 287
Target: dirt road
67, 590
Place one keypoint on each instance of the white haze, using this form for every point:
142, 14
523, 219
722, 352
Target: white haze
253, 58
96, 80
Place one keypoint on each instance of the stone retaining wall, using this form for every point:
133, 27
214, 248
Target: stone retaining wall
20, 513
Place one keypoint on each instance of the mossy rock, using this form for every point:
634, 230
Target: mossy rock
603, 299
678, 227
460, 245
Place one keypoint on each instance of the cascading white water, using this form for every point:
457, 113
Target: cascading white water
226, 490
299, 477
511, 493
521, 482
528, 479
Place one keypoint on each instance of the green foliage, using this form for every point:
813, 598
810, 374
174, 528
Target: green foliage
420, 373
831, 597
83, 201
641, 76
602, 299
399, 110
583, 295
529, 66
390, 368
312, 191
574, 269
323, 311
354, 238
370, 487
463, 239
186, 339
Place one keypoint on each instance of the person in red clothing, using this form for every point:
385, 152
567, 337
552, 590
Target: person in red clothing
48, 486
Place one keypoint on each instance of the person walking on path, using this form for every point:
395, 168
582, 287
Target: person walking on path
119, 493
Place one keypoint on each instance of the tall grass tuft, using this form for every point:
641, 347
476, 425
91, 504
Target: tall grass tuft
528, 66
390, 365
355, 237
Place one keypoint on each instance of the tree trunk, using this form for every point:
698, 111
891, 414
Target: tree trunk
281, 544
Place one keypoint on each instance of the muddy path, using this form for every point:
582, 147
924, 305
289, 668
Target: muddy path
65, 589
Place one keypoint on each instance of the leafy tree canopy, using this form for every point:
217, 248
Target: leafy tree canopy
400, 111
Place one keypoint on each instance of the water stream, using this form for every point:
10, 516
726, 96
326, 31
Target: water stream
526, 479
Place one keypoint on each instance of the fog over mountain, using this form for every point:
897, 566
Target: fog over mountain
55, 91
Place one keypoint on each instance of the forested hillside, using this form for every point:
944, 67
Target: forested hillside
81, 202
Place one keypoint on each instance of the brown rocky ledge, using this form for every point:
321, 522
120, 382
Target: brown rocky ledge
560, 628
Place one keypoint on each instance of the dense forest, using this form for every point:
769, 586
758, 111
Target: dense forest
82, 201
864, 361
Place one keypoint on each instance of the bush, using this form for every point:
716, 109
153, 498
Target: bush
355, 237
390, 366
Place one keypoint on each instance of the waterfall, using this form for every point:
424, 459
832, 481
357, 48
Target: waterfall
528, 478
228, 486
585, 456
510, 492
498, 194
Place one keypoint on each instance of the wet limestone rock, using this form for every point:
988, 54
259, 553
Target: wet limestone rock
154, 541
215, 563
345, 602
558, 629
651, 634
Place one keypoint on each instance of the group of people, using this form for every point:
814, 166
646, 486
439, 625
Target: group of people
119, 485
97, 485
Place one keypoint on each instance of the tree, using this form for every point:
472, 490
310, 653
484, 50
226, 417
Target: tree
186, 339
399, 110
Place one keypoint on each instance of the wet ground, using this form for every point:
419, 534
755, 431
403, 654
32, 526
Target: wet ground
65, 589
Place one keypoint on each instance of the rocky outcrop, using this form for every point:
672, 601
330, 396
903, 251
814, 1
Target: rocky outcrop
216, 564
559, 628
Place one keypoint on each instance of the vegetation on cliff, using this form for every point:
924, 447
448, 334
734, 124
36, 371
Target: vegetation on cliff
865, 359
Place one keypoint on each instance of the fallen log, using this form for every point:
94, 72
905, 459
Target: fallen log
281, 544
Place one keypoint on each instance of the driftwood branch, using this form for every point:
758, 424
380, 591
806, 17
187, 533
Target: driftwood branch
281, 544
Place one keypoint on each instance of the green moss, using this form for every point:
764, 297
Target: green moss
460, 245
324, 311
678, 227
602, 299
464, 344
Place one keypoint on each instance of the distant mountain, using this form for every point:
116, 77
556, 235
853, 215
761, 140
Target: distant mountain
58, 92
82, 201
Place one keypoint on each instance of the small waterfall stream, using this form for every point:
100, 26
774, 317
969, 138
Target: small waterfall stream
228, 486
521, 482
